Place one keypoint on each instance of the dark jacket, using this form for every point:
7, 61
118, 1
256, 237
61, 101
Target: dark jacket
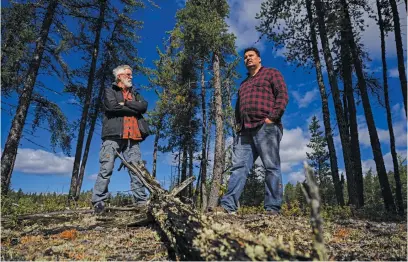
112, 127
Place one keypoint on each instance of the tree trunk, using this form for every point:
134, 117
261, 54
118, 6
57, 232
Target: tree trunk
375, 143
184, 168
16, 130
179, 168
326, 112
203, 164
398, 189
87, 102
219, 133
94, 119
156, 146
231, 118
400, 51
190, 168
352, 118
337, 102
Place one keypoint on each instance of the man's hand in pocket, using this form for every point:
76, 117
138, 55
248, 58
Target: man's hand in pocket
268, 121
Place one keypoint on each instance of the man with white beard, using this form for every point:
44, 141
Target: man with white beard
123, 107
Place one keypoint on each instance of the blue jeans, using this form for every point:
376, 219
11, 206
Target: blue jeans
107, 156
260, 142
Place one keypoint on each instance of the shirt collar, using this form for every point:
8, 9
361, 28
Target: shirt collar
249, 75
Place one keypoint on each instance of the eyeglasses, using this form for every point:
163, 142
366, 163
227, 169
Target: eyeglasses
128, 75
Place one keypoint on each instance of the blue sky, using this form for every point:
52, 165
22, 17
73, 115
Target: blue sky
38, 169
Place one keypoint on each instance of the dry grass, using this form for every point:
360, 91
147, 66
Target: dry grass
84, 237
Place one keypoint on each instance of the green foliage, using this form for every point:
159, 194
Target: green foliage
18, 31
61, 132
292, 209
318, 160
244, 210
19, 203
254, 190
331, 212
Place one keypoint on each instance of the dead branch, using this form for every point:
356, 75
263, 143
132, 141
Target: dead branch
311, 192
197, 237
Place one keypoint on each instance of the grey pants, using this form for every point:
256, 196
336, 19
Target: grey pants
107, 156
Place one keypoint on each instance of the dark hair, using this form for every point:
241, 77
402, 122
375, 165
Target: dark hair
252, 49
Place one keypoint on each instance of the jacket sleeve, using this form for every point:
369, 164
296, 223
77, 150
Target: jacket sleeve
111, 104
138, 103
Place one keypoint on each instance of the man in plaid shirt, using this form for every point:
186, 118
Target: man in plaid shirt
262, 99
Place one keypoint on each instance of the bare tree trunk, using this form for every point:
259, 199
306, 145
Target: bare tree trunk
351, 115
400, 51
326, 112
375, 142
156, 145
337, 102
398, 189
219, 133
10, 148
203, 164
94, 119
184, 169
190, 168
179, 168
88, 97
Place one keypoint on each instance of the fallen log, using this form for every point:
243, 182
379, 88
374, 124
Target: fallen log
196, 237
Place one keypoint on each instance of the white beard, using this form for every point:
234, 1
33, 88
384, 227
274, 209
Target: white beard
128, 83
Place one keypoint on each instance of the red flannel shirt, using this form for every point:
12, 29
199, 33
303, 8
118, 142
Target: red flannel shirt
262, 96
130, 125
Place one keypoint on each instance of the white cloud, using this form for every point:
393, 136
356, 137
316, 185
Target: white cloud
294, 177
371, 34
393, 72
92, 177
293, 148
242, 23
400, 134
305, 100
369, 163
33, 161
398, 112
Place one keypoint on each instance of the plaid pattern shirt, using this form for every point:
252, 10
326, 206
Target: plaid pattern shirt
130, 125
261, 96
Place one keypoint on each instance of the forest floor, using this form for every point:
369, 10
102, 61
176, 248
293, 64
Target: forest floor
88, 237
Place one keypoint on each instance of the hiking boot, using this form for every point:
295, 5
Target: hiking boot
219, 210
140, 204
272, 212
99, 208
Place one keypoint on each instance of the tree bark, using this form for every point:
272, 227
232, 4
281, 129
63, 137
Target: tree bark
352, 118
184, 168
190, 168
375, 143
400, 203
156, 146
219, 133
325, 109
94, 118
400, 51
203, 164
16, 130
337, 102
88, 97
